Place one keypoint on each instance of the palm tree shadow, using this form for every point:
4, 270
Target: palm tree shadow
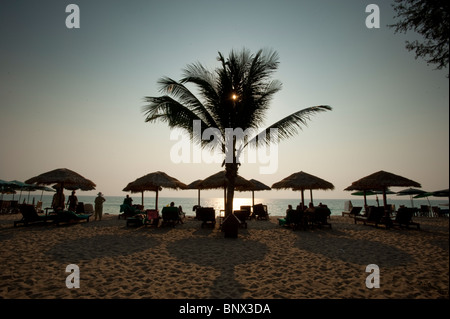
351, 250
223, 255
88, 248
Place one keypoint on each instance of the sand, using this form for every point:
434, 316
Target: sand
266, 261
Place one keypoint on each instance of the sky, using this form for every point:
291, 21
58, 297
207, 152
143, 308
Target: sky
73, 97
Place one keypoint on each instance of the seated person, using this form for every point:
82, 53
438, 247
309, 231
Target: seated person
286, 220
181, 213
301, 207
128, 201
310, 208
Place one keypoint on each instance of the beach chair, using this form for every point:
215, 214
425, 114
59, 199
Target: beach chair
375, 216
30, 215
320, 216
403, 218
207, 216
347, 208
128, 211
170, 216
89, 209
152, 218
242, 215
66, 216
354, 211
260, 212
296, 219
39, 207
424, 210
247, 208
436, 210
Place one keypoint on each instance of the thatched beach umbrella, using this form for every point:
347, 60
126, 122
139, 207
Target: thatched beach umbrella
381, 181
301, 181
154, 182
66, 178
219, 180
257, 186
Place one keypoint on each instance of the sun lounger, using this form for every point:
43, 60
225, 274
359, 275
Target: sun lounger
129, 211
354, 211
152, 218
404, 218
260, 212
67, 216
207, 216
376, 216
30, 215
88, 209
170, 216
320, 216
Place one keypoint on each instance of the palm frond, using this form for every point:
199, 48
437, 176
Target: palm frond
177, 115
287, 126
184, 96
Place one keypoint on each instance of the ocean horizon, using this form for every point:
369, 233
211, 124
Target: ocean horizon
275, 206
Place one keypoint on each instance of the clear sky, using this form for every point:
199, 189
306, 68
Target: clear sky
73, 98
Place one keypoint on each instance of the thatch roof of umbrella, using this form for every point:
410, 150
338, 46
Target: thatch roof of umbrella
65, 177
195, 184
220, 180
257, 186
381, 180
154, 182
301, 181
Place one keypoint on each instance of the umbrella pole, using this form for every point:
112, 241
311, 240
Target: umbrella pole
253, 198
142, 198
198, 197
156, 198
225, 198
365, 200
303, 199
310, 193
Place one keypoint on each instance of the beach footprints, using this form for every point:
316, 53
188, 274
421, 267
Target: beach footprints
220, 254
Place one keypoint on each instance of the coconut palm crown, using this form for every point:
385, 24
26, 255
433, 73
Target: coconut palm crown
236, 95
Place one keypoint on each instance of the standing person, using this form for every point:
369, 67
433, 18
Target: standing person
99, 206
58, 200
72, 202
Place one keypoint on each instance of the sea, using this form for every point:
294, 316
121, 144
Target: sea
275, 206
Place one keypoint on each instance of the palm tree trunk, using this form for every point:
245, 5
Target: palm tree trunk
231, 170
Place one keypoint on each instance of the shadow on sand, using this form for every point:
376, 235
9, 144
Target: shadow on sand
223, 256
69, 251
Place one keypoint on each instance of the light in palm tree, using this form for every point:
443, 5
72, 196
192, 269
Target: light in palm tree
244, 77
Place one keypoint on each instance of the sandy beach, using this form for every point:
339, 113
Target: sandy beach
266, 261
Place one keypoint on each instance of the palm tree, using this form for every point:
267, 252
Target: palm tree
235, 95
